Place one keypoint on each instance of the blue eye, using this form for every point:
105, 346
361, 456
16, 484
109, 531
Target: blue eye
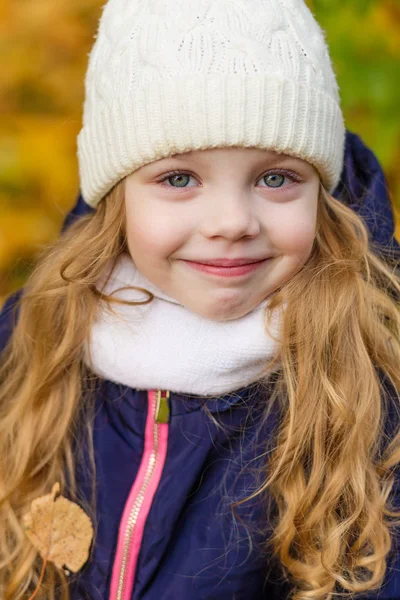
180, 178
274, 179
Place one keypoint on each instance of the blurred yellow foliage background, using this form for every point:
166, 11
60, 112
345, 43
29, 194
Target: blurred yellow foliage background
44, 45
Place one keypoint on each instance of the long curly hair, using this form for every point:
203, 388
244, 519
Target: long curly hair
331, 471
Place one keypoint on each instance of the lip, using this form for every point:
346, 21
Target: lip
229, 262
232, 271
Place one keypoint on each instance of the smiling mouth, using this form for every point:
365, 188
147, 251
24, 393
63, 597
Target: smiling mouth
226, 262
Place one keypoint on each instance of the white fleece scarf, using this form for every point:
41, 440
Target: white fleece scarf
163, 345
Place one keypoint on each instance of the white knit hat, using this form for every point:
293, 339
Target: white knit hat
170, 76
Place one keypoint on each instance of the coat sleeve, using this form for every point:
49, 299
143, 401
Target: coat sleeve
390, 588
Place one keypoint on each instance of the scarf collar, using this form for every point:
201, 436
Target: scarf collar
163, 345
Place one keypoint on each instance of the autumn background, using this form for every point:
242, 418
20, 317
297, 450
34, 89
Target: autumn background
44, 45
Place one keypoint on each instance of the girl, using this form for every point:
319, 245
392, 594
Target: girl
207, 361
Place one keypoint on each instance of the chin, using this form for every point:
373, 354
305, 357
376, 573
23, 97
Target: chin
222, 314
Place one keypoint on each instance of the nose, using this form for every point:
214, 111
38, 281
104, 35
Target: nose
231, 215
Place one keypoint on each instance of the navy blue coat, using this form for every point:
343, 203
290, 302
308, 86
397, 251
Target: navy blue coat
186, 543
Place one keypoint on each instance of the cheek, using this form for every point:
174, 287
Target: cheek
150, 232
292, 230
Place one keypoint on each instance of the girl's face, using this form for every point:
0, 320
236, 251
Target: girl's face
224, 203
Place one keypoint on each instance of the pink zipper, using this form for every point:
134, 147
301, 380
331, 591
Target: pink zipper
141, 496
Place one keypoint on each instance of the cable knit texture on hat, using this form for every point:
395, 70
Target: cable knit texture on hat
171, 76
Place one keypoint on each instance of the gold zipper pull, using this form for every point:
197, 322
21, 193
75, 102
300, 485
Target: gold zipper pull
162, 407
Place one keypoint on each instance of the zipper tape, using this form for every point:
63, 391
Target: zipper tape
141, 496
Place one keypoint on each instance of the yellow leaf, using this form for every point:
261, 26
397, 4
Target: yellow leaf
60, 530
